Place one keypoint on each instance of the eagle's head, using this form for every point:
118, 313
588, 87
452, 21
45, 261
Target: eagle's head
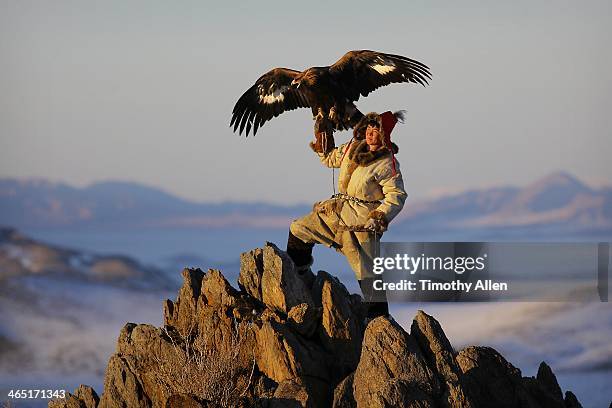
306, 78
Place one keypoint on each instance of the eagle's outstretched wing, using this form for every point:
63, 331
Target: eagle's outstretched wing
361, 72
271, 95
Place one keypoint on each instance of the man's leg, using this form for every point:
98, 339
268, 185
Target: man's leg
360, 248
300, 252
304, 233
376, 304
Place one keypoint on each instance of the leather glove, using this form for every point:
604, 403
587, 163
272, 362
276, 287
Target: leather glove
323, 143
377, 221
375, 225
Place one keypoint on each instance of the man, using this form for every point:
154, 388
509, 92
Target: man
371, 195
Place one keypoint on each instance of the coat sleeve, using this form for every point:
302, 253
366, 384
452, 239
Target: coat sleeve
333, 159
395, 196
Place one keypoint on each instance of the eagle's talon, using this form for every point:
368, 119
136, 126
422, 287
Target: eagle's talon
320, 115
332, 114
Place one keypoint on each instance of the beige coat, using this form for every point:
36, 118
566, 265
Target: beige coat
338, 222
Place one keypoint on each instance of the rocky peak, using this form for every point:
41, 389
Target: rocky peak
283, 340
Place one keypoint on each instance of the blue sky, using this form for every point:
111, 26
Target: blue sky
143, 91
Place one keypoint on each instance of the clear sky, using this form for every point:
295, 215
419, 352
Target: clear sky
143, 91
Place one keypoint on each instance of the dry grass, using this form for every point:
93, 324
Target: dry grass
199, 369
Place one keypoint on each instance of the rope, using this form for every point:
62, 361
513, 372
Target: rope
334, 169
347, 149
334, 180
351, 198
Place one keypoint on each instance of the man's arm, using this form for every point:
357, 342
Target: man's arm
395, 196
329, 155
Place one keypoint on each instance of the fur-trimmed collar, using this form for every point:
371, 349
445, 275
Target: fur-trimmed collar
362, 155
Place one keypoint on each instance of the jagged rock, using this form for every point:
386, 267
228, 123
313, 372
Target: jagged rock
181, 314
439, 352
215, 327
251, 271
216, 290
548, 380
87, 395
541, 396
281, 342
141, 347
70, 401
264, 388
154, 359
83, 397
571, 401
121, 387
184, 401
269, 275
399, 393
206, 308
544, 388
304, 318
392, 369
496, 383
271, 315
341, 330
290, 394
282, 355
343, 394
272, 356
493, 381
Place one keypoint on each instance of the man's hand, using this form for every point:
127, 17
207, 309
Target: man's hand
324, 136
377, 222
375, 226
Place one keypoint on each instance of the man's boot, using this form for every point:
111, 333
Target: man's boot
300, 253
375, 307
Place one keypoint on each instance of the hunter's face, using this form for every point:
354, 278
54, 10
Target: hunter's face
373, 137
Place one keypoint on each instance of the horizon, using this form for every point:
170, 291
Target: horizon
433, 194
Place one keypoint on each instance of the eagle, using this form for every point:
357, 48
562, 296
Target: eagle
329, 91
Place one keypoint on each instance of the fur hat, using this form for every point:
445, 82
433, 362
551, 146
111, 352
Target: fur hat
385, 122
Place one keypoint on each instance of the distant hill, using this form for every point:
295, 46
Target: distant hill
558, 202
61, 308
22, 257
37, 203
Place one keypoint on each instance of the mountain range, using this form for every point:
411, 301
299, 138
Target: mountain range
557, 203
